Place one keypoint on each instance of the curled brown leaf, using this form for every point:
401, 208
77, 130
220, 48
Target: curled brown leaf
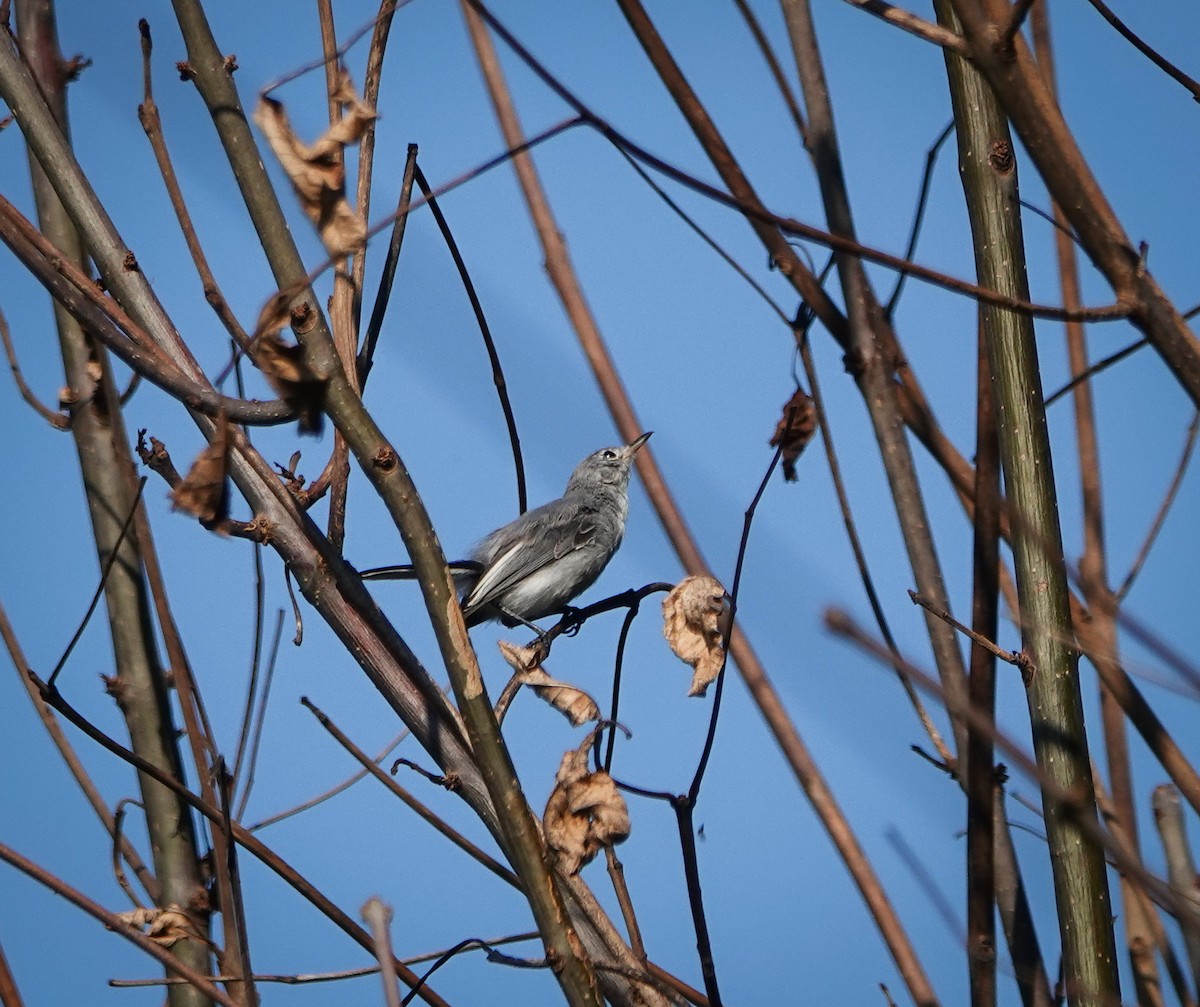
317, 171
694, 618
585, 813
204, 491
575, 704
163, 926
284, 367
795, 429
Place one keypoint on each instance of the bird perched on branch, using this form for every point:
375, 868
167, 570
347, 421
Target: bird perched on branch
538, 564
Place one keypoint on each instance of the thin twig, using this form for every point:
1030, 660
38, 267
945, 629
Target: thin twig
429, 816
386, 10
929, 885
1156, 58
256, 647
151, 121
1102, 364
931, 157
303, 978
914, 25
704, 236
261, 718
777, 74
614, 706
1015, 658
333, 791
616, 873
372, 78
58, 420
747, 521
366, 354
109, 562
1163, 509
485, 332
10, 993
118, 842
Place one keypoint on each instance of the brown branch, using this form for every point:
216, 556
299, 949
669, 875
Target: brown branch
10, 994
333, 791
768, 55
343, 318
1026, 100
372, 78
114, 923
58, 420
981, 784
103, 318
71, 758
1015, 658
151, 121
842, 624
1020, 10
914, 25
364, 760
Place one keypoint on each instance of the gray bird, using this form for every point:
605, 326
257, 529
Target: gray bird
536, 565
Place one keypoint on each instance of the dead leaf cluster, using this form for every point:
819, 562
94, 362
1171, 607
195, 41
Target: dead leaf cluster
317, 171
585, 812
694, 619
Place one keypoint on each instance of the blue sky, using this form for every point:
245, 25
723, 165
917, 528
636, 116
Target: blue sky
708, 367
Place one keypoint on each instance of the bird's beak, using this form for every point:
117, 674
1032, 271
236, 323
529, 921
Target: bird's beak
635, 445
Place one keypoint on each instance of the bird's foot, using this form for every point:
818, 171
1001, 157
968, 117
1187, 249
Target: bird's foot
571, 621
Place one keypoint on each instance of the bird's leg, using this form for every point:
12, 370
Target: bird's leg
509, 619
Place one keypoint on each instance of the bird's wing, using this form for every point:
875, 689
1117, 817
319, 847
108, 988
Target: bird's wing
558, 528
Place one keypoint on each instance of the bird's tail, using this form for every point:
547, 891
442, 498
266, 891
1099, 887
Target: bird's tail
462, 570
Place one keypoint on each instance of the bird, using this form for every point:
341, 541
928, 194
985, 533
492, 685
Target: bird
538, 564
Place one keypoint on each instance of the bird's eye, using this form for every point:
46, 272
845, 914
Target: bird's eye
608, 453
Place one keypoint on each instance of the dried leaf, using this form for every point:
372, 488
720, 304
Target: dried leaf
164, 926
283, 365
575, 704
693, 623
318, 172
585, 812
794, 430
204, 491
